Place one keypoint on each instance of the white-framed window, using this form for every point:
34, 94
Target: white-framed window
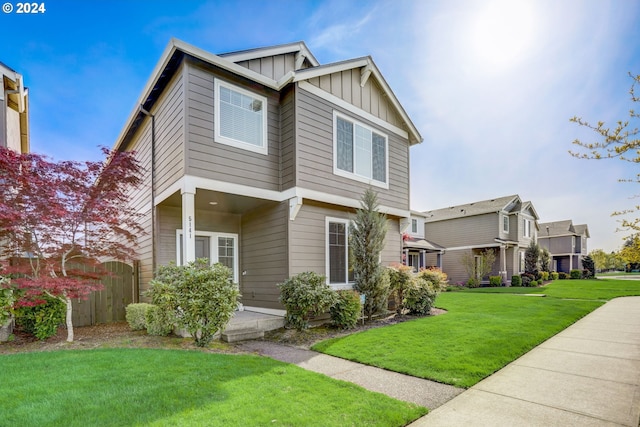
217, 247
526, 227
505, 223
414, 226
240, 118
360, 152
338, 263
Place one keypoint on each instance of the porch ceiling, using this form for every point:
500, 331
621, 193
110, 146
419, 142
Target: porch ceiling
218, 202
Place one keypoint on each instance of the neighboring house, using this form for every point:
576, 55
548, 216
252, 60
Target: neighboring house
506, 224
416, 248
566, 243
258, 159
14, 111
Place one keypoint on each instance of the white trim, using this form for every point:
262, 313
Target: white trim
190, 182
462, 248
247, 55
263, 310
219, 138
353, 175
340, 285
213, 248
504, 216
352, 109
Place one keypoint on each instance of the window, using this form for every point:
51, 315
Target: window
240, 118
414, 226
505, 223
527, 228
359, 152
338, 261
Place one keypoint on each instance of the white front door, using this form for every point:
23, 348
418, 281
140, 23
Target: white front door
217, 247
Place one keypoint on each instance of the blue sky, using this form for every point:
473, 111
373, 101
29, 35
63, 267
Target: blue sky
491, 84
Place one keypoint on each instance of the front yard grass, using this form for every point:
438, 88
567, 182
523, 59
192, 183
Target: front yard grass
480, 334
187, 388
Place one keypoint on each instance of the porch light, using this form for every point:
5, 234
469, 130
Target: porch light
213, 203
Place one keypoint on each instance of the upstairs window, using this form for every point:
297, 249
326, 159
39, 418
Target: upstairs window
360, 153
414, 226
240, 118
527, 228
505, 224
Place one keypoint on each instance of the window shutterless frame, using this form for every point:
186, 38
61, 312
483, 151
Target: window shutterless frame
240, 118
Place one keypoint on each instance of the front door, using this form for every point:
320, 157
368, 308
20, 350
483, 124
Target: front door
217, 247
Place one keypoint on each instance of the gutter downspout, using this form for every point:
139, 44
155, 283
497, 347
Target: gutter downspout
153, 188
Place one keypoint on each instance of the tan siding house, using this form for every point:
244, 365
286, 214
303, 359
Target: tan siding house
566, 243
506, 225
252, 161
14, 111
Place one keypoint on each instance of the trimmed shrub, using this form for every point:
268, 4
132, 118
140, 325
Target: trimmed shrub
544, 275
200, 297
135, 315
533, 283
563, 276
400, 277
346, 311
516, 281
527, 278
555, 276
42, 320
158, 321
473, 283
424, 289
305, 295
495, 281
576, 274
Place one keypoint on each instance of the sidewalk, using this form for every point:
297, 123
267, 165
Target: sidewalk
422, 392
587, 375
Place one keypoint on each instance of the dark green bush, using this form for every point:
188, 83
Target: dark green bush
346, 311
516, 281
159, 322
473, 283
555, 276
527, 278
305, 295
589, 267
495, 281
576, 274
135, 315
42, 320
563, 276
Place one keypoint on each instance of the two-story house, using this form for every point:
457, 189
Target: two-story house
506, 225
258, 159
14, 111
566, 243
417, 251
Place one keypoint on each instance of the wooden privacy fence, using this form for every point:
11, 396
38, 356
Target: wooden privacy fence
108, 305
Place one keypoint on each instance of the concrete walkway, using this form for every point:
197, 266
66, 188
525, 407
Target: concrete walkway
422, 392
587, 375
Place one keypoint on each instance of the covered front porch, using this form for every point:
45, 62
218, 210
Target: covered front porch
420, 253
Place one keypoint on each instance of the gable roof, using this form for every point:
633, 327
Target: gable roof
176, 50
563, 228
506, 204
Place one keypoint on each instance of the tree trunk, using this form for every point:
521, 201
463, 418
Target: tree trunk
67, 301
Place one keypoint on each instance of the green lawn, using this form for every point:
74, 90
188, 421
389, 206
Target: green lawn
187, 388
603, 289
480, 334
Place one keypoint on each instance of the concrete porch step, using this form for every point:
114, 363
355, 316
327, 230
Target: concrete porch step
242, 335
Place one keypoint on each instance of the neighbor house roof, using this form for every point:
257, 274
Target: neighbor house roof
176, 49
562, 228
508, 204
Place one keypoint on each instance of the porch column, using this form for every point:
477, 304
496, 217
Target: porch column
503, 263
439, 260
423, 259
570, 263
188, 226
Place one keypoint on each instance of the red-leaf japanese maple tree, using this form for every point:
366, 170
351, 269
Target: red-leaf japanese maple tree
58, 220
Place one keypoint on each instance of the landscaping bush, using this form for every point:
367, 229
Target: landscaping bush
544, 275
516, 281
576, 274
202, 298
158, 321
555, 276
527, 278
473, 283
495, 281
42, 320
589, 267
563, 276
400, 277
346, 311
423, 290
135, 315
533, 283
305, 295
